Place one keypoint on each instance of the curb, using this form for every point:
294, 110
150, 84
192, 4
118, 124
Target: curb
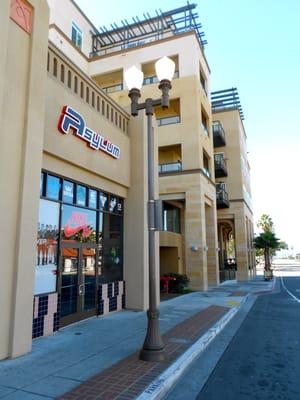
268, 290
161, 385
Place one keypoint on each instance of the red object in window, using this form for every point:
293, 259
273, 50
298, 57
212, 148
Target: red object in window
166, 280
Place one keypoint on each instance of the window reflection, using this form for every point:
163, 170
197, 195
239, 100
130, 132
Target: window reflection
111, 246
46, 251
81, 195
68, 191
53, 187
93, 198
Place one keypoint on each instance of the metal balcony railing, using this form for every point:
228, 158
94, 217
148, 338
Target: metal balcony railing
222, 197
218, 134
220, 166
168, 120
115, 88
149, 80
170, 167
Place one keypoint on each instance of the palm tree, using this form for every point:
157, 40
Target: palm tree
267, 241
266, 223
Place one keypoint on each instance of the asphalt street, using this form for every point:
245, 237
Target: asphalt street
257, 356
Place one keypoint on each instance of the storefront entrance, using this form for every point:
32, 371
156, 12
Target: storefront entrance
77, 281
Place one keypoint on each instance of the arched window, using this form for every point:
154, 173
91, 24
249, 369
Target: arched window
87, 96
81, 89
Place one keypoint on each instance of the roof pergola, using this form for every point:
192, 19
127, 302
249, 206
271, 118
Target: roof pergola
149, 28
226, 99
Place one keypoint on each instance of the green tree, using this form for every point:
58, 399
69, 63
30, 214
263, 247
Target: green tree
267, 241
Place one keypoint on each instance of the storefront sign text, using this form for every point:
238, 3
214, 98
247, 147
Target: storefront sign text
71, 119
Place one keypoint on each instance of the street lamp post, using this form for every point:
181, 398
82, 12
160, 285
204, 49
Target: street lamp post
153, 347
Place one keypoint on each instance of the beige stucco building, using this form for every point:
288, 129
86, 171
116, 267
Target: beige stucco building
234, 202
73, 174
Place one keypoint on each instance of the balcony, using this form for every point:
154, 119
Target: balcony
149, 80
220, 166
218, 134
170, 167
114, 88
222, 197
168, 120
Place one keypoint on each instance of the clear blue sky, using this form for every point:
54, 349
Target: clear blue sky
255, 46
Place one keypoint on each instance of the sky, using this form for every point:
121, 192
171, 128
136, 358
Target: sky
253, 45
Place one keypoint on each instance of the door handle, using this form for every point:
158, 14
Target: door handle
81, 290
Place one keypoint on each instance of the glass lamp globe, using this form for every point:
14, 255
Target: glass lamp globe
134, 78
165, 68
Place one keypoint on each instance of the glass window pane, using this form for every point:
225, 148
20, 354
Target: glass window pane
46, 252
113, 201
42, 183
68, 192
73, 35
103, 201
120, 206
81, 195
111, 268
53, 187
93, 198
78, 224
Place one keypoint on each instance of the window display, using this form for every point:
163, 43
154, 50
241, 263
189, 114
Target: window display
46, 253
78, 224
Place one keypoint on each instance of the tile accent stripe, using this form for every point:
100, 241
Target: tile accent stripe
45, 315
111, 297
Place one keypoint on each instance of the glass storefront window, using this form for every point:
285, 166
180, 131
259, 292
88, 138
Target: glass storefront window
120, 206
78, 224
68, 191
92, 198
41, 184
46, 251
81, 195
103, 201
112, 251
113, 201
53, 187
171, 218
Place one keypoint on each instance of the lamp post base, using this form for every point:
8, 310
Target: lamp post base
152, 355
153, 348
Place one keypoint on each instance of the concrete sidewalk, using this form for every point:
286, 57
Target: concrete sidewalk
98, 358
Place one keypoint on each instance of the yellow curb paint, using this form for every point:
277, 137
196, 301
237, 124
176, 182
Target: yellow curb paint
233, 303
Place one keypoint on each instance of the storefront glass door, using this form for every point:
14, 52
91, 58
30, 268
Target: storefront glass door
77, 283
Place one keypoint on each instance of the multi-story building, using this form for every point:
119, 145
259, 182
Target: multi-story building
232, 172
184, 137
75, 211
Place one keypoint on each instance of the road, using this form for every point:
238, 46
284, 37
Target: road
258, 355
